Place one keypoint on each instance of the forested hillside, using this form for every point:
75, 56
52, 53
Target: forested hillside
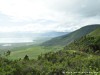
89, 43
81, 57
67, 39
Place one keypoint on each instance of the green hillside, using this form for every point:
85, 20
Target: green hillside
89, 43
32, 51
95, 33
66, 39
80, 57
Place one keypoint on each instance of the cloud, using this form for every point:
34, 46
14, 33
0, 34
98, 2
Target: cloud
35, 28
47, 15
26, 10
85, 8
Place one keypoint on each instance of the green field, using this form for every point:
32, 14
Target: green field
31, 51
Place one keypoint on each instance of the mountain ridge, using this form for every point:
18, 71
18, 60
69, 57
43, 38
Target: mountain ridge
89, 43
67, 39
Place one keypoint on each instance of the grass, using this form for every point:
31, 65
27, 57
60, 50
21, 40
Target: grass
32, 52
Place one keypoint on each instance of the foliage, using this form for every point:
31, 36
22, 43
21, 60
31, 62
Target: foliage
88, 43
7, 53
81, 56
52, 64
26, 57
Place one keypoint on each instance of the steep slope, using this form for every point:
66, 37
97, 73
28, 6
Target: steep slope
89, 43
66, 39
95, 33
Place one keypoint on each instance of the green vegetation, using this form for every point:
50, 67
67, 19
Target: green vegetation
53, 64
95, 33
67, 39
80, 57
32, 51
89, 43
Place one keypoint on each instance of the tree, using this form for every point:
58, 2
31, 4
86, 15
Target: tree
8, 53
26, 57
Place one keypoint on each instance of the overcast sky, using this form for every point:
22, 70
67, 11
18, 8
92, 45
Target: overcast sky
47, 15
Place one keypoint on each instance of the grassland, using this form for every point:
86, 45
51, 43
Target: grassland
31, 51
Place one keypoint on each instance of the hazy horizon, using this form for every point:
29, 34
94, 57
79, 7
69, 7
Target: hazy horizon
24, 37
15, 40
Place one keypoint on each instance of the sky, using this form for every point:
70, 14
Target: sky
39, 16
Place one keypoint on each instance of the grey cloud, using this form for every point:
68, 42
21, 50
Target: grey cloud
85, 8
90, 8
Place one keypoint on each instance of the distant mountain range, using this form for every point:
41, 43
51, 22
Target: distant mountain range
69, 38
